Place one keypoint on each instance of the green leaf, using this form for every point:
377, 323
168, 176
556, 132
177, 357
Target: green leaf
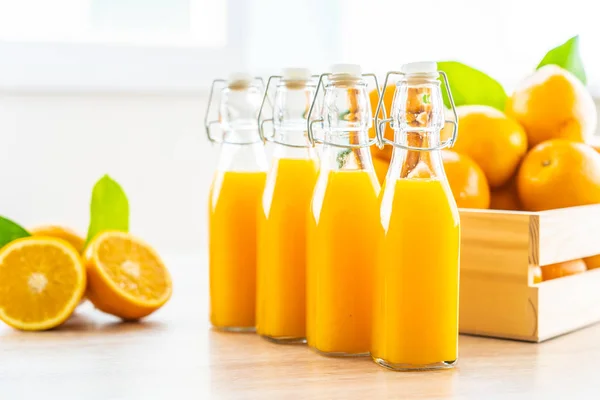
471, 86
10, 231
109, 208
342, 156
566, 56
426, 98
344, 115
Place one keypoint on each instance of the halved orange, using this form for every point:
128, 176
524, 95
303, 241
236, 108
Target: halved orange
61, 232
42, 279
126, 277
64, 233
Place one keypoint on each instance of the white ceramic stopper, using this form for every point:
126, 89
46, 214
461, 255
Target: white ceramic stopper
240, 77
296, 74
423, 67
347, 69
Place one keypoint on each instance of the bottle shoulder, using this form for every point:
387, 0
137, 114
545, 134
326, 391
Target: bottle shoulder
419, 202
346, 194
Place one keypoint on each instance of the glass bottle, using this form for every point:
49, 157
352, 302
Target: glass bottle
417, 279
235, 194
344, 228
281, 267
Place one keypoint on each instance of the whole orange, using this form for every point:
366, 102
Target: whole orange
506, 197
552, 103
561, 269
559, 173
494, 141
467, 181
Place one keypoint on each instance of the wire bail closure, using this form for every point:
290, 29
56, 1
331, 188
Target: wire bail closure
261, 123
310, 122
380, 124
208, 123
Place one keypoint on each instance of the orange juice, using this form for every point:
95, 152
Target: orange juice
234, 200
416, 301
281, 268
344, 231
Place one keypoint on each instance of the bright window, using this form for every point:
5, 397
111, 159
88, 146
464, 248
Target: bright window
506, 39
183, 44
200, 23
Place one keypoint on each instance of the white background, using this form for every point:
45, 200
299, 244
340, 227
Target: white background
89, 87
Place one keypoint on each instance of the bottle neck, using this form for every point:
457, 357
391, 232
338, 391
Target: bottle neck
290, 108
238, 112
296, 145
346, 119
344, 138
242, 157
334, 158
417, 164
243, 134
418, 117
292, 137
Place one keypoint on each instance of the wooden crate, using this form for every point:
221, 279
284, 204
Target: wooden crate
497, 295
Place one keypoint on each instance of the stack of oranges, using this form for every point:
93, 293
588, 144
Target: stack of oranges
537, 154
45, 276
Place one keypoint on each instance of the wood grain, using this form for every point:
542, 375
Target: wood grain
175, 354
497, 294
567, 303
569, 233
494, 275
495, 243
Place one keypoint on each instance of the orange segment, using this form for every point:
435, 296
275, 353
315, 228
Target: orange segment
60, 232
42, 280
126, 277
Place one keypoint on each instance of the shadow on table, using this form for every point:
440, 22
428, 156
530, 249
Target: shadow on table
91, 322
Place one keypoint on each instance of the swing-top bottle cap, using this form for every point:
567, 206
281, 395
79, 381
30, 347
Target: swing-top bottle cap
240, 78
422, 67
353, 70
296, 74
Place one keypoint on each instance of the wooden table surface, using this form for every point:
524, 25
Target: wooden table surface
175, 354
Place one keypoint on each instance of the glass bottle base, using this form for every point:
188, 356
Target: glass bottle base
284, 340
340, 354
238, 329
415, 367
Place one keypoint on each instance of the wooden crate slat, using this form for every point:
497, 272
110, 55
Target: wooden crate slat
497, 308
568, 303
497, 297
495, 243
569, 233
